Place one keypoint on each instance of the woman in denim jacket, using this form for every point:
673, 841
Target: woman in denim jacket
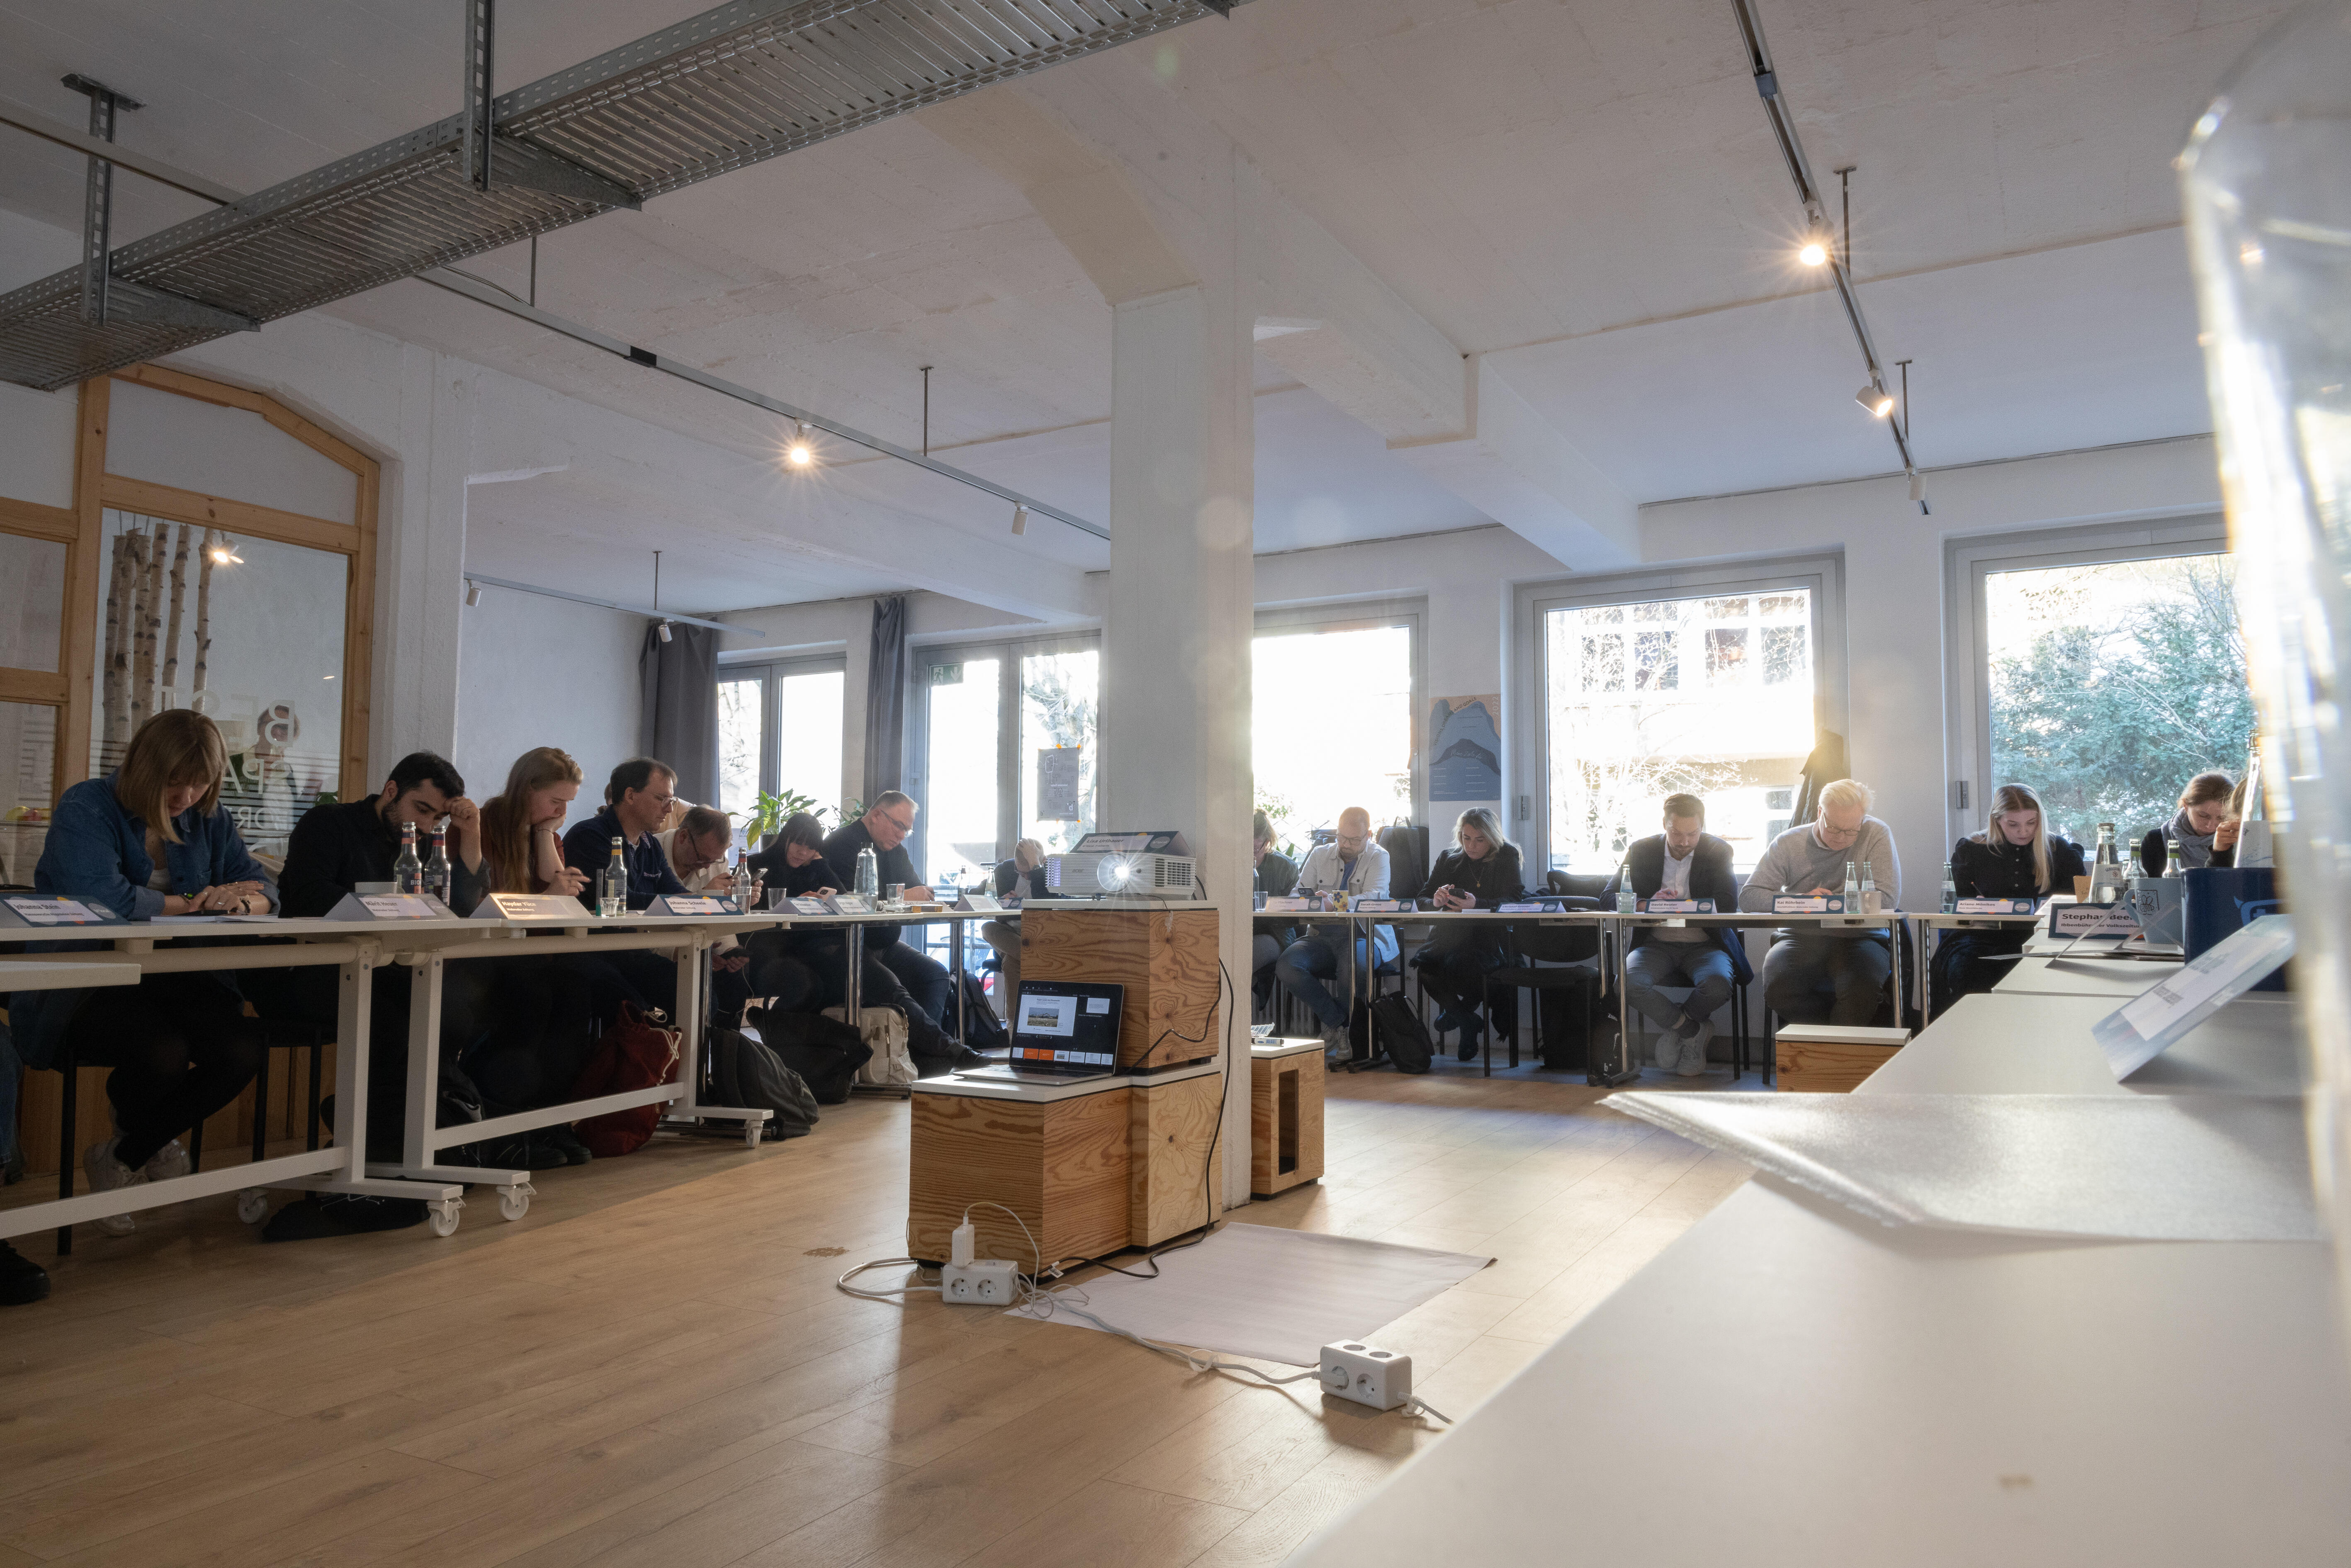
149, 840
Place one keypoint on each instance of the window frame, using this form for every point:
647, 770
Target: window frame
1967, 562
771, 674
1528, 769
1363, 615
1007, 653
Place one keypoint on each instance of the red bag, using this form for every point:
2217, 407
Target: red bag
635, 1054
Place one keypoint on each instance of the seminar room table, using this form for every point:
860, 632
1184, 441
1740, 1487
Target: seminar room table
1931, 1397
355, 947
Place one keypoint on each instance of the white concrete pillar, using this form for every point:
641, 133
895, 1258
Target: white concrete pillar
421, 565
1175, 730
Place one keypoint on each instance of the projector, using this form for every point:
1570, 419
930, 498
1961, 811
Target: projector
1156, 865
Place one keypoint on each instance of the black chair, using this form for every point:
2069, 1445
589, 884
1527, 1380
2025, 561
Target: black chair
1540, 958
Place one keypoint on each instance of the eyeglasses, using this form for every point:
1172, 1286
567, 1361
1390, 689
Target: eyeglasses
903, 824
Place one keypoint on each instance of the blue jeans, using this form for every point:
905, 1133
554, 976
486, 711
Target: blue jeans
1306, 963
1701, 966
926, 979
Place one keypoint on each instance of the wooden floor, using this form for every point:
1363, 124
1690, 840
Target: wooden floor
654, 1366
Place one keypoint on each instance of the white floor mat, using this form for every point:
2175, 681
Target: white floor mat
1274, 1294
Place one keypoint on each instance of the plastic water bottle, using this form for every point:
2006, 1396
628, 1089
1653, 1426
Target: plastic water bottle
408, 872
869, 872
1951, 891
1625, 888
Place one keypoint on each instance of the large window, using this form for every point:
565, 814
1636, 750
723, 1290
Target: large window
1707, 684
2108, 679
779, 728
1334, 702
1004, 750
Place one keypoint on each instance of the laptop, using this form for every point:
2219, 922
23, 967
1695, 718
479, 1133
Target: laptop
1062, 1030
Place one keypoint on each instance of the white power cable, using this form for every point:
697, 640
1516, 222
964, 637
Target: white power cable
843, 1283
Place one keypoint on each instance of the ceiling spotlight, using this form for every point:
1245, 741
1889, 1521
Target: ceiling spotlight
1815, 251
661, 630
1917, 487
1876, 399
799, 454
1019, 520
472, 593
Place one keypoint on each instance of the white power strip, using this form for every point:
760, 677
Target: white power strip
1379, 1378
986, 1282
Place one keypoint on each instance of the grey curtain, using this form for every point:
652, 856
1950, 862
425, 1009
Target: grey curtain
678, 722
885, 699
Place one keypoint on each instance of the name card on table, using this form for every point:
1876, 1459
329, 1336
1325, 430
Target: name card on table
806, 906
532, 907
848, 903
57, 912
2140, 1029
1681, 906
705, 905
1524, 907
1287, 905
2110, 922
1992, 906
390, 906
978, 903
1807, 903
1380, 905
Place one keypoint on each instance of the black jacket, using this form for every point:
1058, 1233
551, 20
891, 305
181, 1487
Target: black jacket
895, 865
1276, 876
1981, 870
1710, 877
1495, 880
335, 848
1008, 876
588, 849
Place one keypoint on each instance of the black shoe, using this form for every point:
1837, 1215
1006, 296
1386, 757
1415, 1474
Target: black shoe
566, 1142
12, 1169
22, 1280
1473, 1035
520, 1152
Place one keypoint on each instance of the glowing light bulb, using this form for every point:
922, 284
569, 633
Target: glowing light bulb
1876, 399
799, 454
1813, 253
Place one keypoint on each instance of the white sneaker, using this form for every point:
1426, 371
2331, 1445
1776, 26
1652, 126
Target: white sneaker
1669, 1050
1693, 1061
1334, 1037
108, 1174
166, 1163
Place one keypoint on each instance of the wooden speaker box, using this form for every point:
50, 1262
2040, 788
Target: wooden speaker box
1166, 959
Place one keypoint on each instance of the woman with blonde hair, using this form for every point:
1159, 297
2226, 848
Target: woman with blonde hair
522, 828
1480, 872
150, 840
2013, 857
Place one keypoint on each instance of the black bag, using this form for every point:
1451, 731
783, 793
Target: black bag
743, 1072
1401, 1033
824, 1051
1563, 1024
982, 1029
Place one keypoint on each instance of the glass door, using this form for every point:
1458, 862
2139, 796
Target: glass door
958, 828
1004, 750
779, 730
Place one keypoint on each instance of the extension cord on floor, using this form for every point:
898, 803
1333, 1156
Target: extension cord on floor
1379, 1378
986, 1282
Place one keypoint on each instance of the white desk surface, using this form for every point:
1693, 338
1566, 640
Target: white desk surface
1791, 1384
1048, 1094
2120, 979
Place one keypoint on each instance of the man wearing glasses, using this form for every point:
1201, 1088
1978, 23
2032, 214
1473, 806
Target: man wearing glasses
636, 799
884, 827
1834, 975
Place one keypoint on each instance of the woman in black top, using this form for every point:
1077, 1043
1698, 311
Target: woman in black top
1480, 873
2013, 857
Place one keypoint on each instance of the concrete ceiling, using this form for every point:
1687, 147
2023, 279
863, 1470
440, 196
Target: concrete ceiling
1585, 192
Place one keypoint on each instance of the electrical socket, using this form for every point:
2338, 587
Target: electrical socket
1367, 1375
987, 1282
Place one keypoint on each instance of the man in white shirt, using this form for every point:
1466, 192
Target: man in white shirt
1685, 862
1351, 863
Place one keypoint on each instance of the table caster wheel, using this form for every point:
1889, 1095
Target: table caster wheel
252, 1205
514, 1202
442, 1215
751, 1133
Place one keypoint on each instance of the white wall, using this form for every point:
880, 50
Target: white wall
543, 672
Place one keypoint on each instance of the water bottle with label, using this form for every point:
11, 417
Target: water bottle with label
612, 887
1852, 889
408, 872
2106, 869
869, 872
1951, 891
436, 864
1868, 888
2171, 867
1625, 888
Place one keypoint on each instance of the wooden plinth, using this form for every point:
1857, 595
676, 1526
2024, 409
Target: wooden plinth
1832, 1059
1170, 1127
1166, 959
1285, 1121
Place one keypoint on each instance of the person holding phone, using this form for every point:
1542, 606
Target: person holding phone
1481, 870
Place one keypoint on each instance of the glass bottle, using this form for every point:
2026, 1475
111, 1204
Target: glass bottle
1951, 891
2171, 867
407, 872
1869, 887
437, 863
869, 872
2106, 869
612, 888
1852, 890
1625, 888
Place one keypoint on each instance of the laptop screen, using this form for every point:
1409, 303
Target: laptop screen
1067, 1023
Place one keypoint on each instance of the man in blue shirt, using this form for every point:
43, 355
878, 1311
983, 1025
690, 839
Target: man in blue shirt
636, 798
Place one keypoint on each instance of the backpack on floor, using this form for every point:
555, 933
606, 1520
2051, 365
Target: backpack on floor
1401, 1033
825, 1052
982, 1029
744, 1073
634, 1054
883, 1030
